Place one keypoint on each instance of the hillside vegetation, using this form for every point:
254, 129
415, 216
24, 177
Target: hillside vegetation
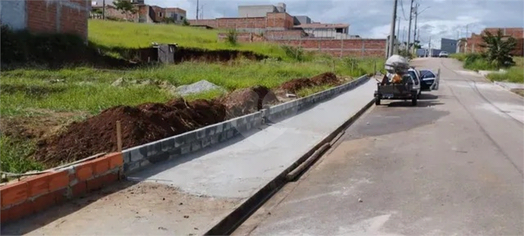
115, 34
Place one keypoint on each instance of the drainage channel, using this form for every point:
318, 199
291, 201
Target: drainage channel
231, 222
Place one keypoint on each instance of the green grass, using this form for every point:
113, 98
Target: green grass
87, 89
15, 155
114, 34
514, 74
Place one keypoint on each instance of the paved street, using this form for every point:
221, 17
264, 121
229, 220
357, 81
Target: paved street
453, 165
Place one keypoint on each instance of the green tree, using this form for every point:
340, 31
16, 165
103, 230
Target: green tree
497, 49
125, 6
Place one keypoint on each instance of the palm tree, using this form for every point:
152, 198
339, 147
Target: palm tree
498, 48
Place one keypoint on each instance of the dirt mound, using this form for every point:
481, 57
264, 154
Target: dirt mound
142, 124
294, 85
327, 78
245, 101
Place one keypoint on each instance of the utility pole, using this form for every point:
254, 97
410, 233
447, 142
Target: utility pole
198, 6
104, 9
409, 27
392, 32
416, 18
398, 33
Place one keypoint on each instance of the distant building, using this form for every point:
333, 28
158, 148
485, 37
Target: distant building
145, 13
336, 31
448, 45
260, 10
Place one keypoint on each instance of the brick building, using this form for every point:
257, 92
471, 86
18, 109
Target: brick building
473, 43
144, 13
47, 16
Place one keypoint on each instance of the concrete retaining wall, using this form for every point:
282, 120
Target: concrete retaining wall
137, 158
35, 194
140, 157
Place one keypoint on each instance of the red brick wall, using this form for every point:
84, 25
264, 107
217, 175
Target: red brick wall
345, 47
279, 20
243, 37
273, 20
63, 16
211, 23
37, 193
233, 23
285, 34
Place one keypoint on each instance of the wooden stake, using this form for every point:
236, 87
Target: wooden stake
118, 136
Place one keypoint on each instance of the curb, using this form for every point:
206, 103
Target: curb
227, 225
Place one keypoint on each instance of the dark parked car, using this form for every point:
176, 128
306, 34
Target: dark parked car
427, 79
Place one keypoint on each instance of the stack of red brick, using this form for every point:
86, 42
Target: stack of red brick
34, 194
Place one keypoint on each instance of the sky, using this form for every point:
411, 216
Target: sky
372, 18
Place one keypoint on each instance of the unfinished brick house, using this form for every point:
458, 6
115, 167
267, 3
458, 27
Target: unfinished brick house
472, 44
144, 14
47, 16
156, 14
272, 23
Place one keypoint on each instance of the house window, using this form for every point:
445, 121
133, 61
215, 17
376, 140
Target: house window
340, 30
160, 14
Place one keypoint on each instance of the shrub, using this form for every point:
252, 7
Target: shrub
296, 53
498, 49
232, 37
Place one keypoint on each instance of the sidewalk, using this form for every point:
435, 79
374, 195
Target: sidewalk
190, 195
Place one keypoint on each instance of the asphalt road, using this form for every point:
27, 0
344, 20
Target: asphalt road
453, 165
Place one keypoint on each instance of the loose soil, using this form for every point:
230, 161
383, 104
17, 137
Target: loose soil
146, 123
246, 101
60, 141
142, 124
43, 124
295, 85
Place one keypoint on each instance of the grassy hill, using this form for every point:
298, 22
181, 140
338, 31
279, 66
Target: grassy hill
132, 35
